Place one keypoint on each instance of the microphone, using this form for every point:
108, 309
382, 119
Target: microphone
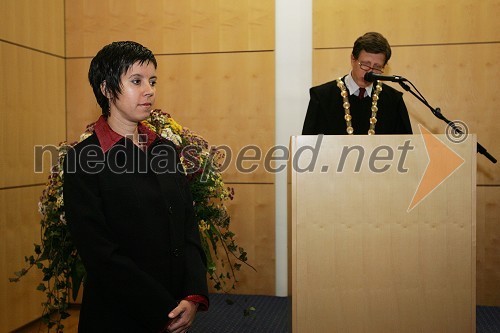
370, 77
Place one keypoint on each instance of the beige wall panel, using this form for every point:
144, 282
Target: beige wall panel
488, 247
20, 302
170, 26
32, 108
227, 98
455, 78
37, 24
82, 108
406, 22
252, 220
452, 77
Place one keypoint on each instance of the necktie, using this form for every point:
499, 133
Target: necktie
361, 94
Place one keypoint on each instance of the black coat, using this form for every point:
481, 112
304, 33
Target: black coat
131, 218
325, 113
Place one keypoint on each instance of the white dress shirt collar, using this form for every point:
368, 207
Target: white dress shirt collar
354, 88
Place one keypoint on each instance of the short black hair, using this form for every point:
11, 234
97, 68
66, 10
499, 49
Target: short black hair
110, 63
372, 42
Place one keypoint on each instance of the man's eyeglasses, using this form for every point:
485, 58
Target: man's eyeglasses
365, 67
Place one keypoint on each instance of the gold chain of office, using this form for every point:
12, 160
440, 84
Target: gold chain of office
347, 107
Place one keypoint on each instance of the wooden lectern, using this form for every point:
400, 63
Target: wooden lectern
382, 234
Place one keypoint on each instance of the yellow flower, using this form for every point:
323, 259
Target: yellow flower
175, 126
59, 202
183, 166
203, 226
148, 125
85, 135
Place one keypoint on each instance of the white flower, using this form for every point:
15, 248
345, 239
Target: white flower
41, 208
168, 134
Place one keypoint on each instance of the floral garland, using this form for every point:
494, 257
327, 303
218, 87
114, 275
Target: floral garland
58, 259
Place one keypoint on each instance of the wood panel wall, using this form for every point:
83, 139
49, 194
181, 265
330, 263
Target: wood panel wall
32, 112
447, 50
216, 77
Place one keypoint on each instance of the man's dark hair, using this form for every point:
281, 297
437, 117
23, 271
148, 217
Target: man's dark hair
372, 42
110, 63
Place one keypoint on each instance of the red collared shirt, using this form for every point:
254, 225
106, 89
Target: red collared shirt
108, 138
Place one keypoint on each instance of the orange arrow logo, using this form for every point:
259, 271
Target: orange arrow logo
443, 162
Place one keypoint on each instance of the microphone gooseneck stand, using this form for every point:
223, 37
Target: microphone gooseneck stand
437, 112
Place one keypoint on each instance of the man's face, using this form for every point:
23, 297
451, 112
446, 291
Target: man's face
369, 62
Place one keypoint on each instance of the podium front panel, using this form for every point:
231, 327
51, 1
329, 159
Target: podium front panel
382, 234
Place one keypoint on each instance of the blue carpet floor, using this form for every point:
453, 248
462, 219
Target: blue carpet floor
487, 319
271, 316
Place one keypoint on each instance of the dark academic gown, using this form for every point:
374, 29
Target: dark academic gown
325, 113
134, 228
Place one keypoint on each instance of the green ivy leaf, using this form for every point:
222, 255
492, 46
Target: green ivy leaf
20, 273
63, 315
77, 275
248, 311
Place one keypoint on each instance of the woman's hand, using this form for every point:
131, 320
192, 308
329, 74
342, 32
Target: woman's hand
182, 317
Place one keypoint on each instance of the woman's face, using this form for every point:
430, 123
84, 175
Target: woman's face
137, 93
